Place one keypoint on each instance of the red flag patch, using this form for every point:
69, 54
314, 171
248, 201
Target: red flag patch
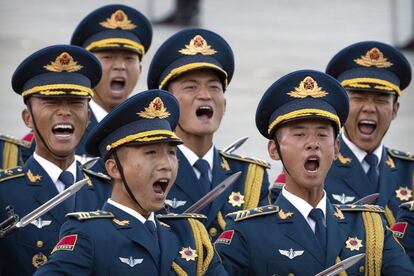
225, 237
398, 229
66, 243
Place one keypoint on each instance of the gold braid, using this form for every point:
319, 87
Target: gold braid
343, 273
202, 242
374, 236
178, 269
10, 155
252, 186
220, 220
389, 215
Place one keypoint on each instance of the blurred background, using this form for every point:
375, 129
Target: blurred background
269, 39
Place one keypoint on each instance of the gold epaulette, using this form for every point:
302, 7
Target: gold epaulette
97, 174
361, 208
256, 161
401, 154
408, 205
11, 173
14, 140
181, 216
90, 215
254, 212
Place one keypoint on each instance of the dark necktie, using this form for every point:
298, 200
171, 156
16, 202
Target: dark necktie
204, 181
153, 230
372, 160
317, 216
67, 179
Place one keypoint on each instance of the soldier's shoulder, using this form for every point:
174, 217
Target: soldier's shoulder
173, 216
98, 175
360, 208
254, 212
13, 140
400, 154
85, 216
408, 205
245, 159
12, 173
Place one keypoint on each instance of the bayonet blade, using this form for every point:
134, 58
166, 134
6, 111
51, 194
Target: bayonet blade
213, 194
341, 266
369, 199
235, 145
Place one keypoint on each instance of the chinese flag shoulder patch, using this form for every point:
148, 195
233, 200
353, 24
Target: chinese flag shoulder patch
66, 243
398, 229
225, 237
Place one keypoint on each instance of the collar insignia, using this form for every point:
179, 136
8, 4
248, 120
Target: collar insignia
197, 45
33, 178
118, 20
373, 57
308, 88
64, 62
284, 215
390, 163
224, 164
338, 213
344, 160
188, 254
343, 198
131, 261
174, 203
353, 243
403, 193
236, 199
291, 253
121, 222
40, 223
154, 110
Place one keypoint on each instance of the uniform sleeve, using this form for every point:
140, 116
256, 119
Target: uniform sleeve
395, 261
233, 250
216, 268
72, 255
404, 231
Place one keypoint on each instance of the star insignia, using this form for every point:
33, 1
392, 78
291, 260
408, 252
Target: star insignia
236, 199
188, 253
353, 243
403, 193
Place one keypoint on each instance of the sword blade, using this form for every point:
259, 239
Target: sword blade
235, 145
369, 199
51, 203
341, 266
213, 194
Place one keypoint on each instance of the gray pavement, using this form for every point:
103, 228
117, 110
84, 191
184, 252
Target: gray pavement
269, 38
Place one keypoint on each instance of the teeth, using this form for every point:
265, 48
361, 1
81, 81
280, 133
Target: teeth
205, 107
61, 126
163, 180
368, 122
313, 159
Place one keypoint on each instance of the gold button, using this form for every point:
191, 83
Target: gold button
212, 231
361, 269
291, 274
39, 244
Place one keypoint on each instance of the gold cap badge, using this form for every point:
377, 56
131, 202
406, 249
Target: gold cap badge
353, 243
64, 62
198, 45
373, 57
118, 20
154, 110
308, 88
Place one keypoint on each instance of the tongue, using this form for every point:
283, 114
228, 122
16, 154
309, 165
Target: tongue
311, 165
366, 128
117, 85
157, 188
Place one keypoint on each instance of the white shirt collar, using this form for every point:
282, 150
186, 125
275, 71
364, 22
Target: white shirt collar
192, 157
52, 170
97, 110
360, 154
132, 212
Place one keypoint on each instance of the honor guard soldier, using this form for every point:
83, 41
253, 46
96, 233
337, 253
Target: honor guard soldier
374, 75
196, 66
303, 233
119, 36
403, 229
56, 84
138, 144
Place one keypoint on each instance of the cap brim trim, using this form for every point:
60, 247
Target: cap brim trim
303, 113
116, 43
59, 89
191, 66
366, 83
146, 136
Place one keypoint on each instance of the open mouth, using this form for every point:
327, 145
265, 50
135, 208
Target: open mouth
367, 127
118, 83
160, 186
205, 111
312, 164
63, 130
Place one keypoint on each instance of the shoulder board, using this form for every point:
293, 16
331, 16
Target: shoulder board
11, 173
97, 174
180, 216
360, 208
90, 215
276, 186
408, 205
246, 159
254, 212
14, 140
401, 154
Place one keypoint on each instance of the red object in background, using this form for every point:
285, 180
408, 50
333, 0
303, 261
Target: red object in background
281, 178
28, 137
